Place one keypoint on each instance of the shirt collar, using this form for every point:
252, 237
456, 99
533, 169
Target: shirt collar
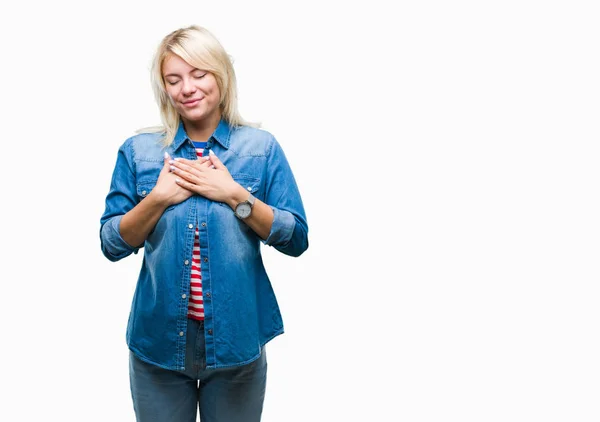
221, 134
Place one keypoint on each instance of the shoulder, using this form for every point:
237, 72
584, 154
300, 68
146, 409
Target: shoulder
143, 145
248, 140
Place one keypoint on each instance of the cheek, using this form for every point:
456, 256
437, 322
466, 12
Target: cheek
172, 96
171, 92
216, 94
212, 87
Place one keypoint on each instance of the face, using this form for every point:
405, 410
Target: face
193, 92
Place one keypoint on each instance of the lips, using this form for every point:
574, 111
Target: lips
192, 103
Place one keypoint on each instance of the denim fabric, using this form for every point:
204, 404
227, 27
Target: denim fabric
223, 395
241, 311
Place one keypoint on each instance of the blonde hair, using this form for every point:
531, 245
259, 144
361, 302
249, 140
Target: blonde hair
200, 49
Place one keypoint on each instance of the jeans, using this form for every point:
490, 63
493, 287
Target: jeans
234, 394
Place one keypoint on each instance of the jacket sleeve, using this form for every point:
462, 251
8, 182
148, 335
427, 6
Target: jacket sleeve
289, 232
121, 198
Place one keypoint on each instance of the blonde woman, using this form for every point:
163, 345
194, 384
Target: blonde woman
200, 194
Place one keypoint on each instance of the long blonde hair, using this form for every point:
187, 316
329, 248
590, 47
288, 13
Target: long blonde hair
200, 49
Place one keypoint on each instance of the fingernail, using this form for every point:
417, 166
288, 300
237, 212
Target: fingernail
166, 154
210, 151
172, 168
171, 161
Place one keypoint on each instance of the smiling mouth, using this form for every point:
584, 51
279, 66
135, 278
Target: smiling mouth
192, 103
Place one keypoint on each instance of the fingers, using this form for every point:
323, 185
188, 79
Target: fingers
191, 170
216, 163
166, 164
184, 179
184, 183
200, 163
179, 166
200, 160
190, 174
192, 166
204, 162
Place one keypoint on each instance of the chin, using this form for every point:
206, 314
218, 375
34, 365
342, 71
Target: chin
193, 115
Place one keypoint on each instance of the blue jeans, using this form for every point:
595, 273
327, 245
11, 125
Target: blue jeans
223, 395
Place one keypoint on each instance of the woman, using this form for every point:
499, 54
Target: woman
200, 195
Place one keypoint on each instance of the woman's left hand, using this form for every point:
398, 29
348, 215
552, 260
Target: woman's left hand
206, 176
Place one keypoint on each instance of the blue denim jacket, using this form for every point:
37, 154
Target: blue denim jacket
241, 311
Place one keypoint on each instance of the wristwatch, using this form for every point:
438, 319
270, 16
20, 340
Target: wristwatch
244, 209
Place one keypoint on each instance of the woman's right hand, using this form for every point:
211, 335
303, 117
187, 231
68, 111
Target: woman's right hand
167, 191
138, 222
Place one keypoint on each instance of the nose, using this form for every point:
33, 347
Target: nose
188, 86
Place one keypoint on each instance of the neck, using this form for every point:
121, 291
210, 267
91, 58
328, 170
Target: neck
200, 131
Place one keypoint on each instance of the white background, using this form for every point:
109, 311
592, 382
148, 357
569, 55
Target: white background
447, 154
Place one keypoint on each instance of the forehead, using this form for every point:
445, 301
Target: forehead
173, 64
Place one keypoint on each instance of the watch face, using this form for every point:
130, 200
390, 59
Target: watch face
243, 210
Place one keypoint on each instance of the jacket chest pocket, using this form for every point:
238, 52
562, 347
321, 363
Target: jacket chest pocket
251, 184
144, 188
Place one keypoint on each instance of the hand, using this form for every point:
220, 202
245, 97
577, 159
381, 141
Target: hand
167, 190
207, 176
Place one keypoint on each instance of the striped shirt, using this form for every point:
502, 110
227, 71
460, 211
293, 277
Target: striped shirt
196, 303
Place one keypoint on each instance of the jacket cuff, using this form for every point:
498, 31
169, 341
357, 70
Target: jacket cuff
113, 245
282, 227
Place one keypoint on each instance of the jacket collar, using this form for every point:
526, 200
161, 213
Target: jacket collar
221, 134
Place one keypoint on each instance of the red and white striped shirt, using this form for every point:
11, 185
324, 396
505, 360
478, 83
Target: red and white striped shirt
196, 303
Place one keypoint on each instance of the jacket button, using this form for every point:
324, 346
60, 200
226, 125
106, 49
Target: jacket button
203, 224
181, 334
190, 226
186, 262
207, 294
205, 259
210, 331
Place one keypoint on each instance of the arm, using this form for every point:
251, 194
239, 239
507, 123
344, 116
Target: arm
122, 197
137, 224
210, 178
289, 231
279, 221
261, 218
126, 224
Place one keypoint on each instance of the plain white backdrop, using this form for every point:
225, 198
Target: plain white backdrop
447, 154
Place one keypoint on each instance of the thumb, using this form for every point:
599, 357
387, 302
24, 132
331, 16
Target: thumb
215, 160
